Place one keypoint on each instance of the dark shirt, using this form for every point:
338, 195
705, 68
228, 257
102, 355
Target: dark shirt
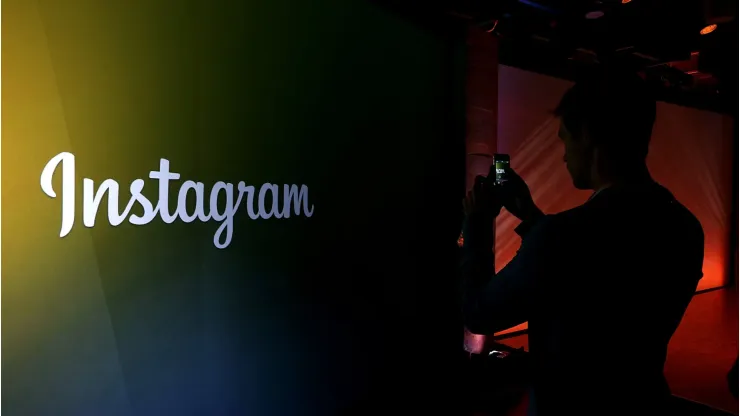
603, 287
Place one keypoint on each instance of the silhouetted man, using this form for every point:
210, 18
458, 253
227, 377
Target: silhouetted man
604, 285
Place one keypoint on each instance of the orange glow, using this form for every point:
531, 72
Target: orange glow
517, 328
709, 29
626, 1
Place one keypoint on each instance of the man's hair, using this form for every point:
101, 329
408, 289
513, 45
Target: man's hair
617, 110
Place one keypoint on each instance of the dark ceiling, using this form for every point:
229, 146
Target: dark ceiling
659, 38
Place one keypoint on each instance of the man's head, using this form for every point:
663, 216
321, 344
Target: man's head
606, 122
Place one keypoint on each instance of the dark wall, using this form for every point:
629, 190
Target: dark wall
351, 308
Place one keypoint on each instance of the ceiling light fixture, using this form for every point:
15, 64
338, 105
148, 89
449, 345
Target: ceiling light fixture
708, 29
594, 15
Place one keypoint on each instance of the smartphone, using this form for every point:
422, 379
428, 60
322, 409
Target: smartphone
501, 162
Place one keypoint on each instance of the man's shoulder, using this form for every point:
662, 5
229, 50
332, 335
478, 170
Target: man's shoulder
569, 218
687, 220
679, 214
556, 228
616, 211
578, 222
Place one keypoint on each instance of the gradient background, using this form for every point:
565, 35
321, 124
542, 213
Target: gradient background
296, 317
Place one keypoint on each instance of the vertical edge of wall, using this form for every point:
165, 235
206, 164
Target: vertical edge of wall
481, 89
481, 114
734, 224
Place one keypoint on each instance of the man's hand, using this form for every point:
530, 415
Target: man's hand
482, 199
517, 199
